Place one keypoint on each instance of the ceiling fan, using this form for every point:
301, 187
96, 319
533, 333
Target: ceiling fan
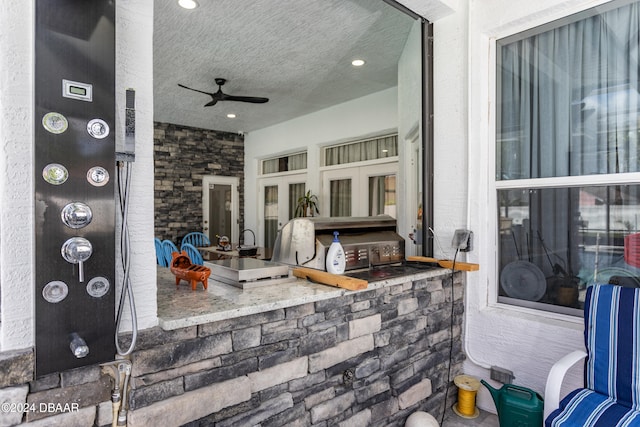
219, 96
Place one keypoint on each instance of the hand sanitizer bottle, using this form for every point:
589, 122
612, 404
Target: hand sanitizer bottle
335, 261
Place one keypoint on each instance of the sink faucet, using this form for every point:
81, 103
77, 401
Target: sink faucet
254, 235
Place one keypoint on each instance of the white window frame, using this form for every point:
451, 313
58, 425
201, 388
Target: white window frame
358, 172
357, 141
282, 181
495, 185
261, 172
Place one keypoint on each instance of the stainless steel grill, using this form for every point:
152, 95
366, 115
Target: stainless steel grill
367, 241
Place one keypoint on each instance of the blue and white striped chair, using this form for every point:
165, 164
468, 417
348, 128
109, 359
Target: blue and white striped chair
611, 396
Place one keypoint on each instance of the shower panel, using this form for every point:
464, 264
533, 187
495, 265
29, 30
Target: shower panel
74, 183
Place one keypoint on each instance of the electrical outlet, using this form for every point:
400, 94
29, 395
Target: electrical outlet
462, 240
502, 375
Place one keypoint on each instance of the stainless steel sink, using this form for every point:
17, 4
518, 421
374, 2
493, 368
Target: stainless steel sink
248, 272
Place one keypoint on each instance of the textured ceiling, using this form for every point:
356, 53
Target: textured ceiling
297, 53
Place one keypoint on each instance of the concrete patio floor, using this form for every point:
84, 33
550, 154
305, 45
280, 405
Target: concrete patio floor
485, 419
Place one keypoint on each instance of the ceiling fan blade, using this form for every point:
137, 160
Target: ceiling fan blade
196, 90
252, 99
220, 96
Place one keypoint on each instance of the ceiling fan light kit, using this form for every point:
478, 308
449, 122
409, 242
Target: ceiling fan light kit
220, 96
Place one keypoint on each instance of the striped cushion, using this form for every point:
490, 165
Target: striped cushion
612, 369
584, 407
612, 325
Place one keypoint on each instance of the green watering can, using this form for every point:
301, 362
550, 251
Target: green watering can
517, 406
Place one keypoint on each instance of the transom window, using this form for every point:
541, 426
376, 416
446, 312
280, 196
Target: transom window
291, 162
359, 151
567, 181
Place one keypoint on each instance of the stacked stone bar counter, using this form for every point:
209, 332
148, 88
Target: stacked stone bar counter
296, 354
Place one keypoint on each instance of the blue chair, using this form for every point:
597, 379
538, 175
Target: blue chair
192, 252
611, 394
197, 239
160, 259
168, 247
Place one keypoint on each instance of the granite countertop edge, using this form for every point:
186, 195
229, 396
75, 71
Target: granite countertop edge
180, 307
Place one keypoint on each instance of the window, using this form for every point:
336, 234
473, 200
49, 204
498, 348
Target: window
340, 191
279, 194
567, 157
270, 215
382, 195
360, 151
362, 191
366, 189
291, 162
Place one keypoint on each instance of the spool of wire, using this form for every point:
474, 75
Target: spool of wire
467, 389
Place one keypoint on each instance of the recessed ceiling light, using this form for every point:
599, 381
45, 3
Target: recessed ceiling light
357, 62
188, 4
231, 116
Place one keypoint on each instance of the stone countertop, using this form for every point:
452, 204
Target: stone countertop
179, 307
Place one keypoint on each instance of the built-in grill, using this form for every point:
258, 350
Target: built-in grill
367, 241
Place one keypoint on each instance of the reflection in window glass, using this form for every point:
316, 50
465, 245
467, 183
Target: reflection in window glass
554, 242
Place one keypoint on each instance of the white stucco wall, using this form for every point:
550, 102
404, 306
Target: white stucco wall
17, 263
525, 341
134, 69
450, 128
16, 175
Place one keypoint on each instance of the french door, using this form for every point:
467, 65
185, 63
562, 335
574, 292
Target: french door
278, 198
220, 207
360, 191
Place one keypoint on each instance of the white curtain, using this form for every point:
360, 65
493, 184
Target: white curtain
270, 215
570, 99
382, 195
568, 106
295, 192
371, 149
283, 164
297, 161
340, 195
270, 166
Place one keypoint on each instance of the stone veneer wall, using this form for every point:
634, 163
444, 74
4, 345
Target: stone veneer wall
369, 358
182, 156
